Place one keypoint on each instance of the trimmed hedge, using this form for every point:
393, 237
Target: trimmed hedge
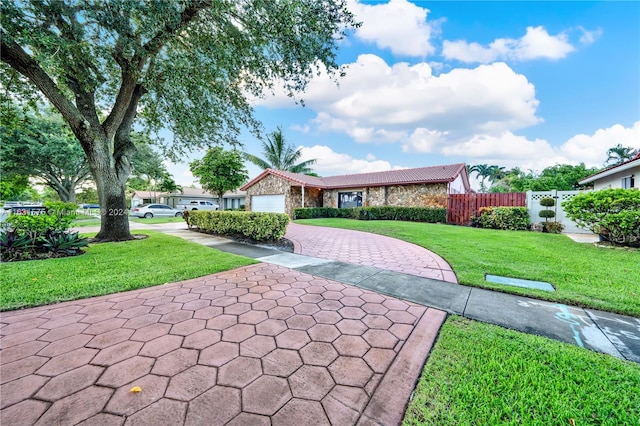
413, 214
614, 214
511, 218
258, 226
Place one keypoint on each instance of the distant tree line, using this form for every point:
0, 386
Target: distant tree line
561, 177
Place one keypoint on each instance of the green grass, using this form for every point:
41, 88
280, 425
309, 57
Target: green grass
481, 374
109, 268
91, 221
583, 274
155, 220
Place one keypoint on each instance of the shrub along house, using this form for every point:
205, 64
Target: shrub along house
282, 192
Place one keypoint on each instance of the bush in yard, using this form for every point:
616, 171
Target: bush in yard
413, 214
614, 214
28, 237
554, 227
509, 218
551, 227
253, 225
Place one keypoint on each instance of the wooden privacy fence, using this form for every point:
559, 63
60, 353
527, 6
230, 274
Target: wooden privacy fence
462, 207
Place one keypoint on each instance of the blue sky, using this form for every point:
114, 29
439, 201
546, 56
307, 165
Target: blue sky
527, 84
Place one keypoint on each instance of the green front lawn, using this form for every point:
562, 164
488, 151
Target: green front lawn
584, 275
110, 268
84, 221
480, 374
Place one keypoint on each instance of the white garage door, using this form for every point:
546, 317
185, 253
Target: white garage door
267, 203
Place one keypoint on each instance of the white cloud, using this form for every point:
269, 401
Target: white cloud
592, 149
510, 150
331, 163
589, 37
403, 103
506, 149
398, 25
537, 43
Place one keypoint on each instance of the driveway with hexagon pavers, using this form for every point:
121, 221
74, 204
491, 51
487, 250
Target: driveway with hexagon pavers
262, 344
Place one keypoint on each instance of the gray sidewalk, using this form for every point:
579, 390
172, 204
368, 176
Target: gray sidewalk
605, 332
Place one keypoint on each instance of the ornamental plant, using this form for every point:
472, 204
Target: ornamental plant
551, 227
614, 214
40, 236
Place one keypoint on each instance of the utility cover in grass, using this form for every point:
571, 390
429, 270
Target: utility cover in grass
517, 282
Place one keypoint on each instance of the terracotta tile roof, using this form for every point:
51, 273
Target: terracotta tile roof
432, 174
297, 178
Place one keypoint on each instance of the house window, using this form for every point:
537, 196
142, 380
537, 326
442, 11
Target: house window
349, 199
627, 182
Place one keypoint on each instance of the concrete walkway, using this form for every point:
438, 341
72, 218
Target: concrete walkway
300, 338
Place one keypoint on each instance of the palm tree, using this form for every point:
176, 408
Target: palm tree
279, 155
482, 172
619, 154
496, 173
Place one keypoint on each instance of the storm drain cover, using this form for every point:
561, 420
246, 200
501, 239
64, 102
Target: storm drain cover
517, 282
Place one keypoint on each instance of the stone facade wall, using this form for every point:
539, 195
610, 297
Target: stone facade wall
330, 198
426, 195
432, 195
312, 197
376, 196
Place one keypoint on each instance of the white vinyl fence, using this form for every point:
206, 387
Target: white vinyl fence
533, 204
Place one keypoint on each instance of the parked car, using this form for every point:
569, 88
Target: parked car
151, 210
8, 205
197, 205
91, 206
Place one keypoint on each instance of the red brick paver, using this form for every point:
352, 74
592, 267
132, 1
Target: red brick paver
257, 345
363, 248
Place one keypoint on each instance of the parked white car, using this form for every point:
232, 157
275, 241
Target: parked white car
152, 210
197, 205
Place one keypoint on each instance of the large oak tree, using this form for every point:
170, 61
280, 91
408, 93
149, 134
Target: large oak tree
44, 148
189, 66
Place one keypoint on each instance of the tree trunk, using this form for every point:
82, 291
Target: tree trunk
111, 184
114, 215
221, 201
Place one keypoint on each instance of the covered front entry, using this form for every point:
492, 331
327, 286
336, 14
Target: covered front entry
268, 203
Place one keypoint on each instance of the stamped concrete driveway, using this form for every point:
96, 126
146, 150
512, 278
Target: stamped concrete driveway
363, 248
262, 344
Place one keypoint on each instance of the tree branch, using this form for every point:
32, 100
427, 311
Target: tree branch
13, 55
154, 45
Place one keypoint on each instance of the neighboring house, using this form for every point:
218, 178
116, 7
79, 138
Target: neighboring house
624, 175
231, 199
279, 191
234, 200
145, 197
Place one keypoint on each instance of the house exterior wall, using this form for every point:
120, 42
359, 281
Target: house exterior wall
312, 197
234, 202
424, 195
376, 196
457, 186
615, 180
329, 198
271, 185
